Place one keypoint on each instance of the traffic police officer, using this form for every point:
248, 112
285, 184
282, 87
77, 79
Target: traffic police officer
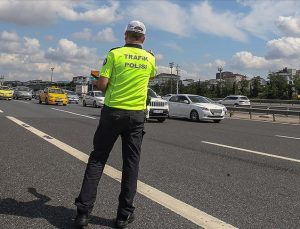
124, 78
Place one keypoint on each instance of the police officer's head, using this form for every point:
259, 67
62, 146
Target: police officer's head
135, 32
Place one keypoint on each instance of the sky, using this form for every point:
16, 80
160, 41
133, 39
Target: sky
250, 37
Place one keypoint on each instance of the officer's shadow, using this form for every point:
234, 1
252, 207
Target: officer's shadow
58, 216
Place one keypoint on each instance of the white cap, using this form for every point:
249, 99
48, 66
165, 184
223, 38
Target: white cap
136, 26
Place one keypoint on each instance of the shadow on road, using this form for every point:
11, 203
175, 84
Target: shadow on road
58, 216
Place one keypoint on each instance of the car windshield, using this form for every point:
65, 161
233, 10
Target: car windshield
243, 98
56, 91
98, 93
24, 89
198, 99
71, 93
4, 88
209, 100
151, 93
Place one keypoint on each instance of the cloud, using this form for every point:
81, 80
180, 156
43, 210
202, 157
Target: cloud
163, 15
68, 51
246, 60
285, 47
86, 34
215, 64
223, 24
263, 15
46, 12
174, 46
9, 42
289, 26
105, 35
22, 58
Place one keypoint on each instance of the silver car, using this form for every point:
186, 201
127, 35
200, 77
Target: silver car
72, 97
94, 98
22, 93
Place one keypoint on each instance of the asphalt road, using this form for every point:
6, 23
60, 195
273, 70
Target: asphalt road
225, 170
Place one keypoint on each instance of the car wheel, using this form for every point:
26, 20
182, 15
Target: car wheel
84, 103
236, 104
194, 116
40, 101
46, 102
161, 119
217, 121
95, 104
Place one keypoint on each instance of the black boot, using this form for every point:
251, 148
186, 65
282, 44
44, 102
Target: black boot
122, 222
81, 221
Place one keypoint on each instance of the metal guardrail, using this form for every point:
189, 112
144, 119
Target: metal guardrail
261, 101
272, 112
292, 102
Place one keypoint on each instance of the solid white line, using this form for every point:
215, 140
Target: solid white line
1, 111
282, 136
189, 212
20, 101
253, 151
86, 116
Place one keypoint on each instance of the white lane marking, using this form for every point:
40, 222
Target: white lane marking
282, 136
189, 212
253, 151
86, 116
1, 111
251, 120
20, 101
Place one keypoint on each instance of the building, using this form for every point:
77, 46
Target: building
288, 73
80, 80
163, 78
230, 76
187, 82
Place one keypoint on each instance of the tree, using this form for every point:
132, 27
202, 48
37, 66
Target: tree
297, 83
244, 87
278, 87
255, 87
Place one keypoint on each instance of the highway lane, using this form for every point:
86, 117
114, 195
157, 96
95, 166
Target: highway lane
39, 183
238, 188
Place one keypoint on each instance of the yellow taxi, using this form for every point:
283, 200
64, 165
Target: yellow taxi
53, 95
6, 93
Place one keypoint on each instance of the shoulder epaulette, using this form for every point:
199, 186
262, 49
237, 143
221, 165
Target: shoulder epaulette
150, 51
115, 48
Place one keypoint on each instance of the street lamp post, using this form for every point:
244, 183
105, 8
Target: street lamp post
220, 69
177, 70
52, 68
171, 66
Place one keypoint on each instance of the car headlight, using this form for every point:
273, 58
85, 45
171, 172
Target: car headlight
204, 108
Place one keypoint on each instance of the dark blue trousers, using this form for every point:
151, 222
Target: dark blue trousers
114, 123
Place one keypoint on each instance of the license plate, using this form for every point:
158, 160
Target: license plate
58, 100
158, 111
217, 114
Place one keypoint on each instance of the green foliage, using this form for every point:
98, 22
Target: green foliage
276, 88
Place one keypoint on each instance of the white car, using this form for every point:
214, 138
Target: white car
167, 96
93, 98
157, 108
235, 100
195, 107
